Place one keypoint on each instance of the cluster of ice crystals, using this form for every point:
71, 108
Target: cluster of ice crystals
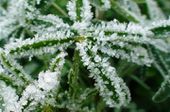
106, 4
38, 91
9, 97
86, 13
115, 26
58, 62
15, 17
100, 68
79, 26
48, 80
71, 7
38, 1
45, 38
159, 23
86, 16
1, 69
55, 20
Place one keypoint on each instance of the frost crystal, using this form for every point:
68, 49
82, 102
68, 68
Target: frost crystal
71, 6
9, 97
39, 90
106, 4
86, 11
48, 80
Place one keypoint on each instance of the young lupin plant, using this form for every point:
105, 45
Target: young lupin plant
93, 43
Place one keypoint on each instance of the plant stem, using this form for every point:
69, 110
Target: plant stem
73, 75
140, 82
155, 63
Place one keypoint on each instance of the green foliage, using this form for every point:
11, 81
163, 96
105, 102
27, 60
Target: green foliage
84, 55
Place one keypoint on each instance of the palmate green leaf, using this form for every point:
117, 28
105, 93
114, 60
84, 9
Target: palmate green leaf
111, 87
164, 91
93, 41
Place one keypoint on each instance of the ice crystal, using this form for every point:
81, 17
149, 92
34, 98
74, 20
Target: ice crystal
10, 99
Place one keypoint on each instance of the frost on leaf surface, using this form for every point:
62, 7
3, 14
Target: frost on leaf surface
105, 76
50, 39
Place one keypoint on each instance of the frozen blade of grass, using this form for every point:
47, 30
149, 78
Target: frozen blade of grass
163, 93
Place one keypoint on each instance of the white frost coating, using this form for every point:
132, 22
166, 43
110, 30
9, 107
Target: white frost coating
86, 13
115, 26
39, 38
56, 36
58, 61
9, 98
48, 80
133, 56
38, 1
100, 67
55, 20
15, 17
86, 16
155, 12
80, 26
1, 69
133, 8
71, 7
39, 90
32, 93
159, 23
106, 4
13, 14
